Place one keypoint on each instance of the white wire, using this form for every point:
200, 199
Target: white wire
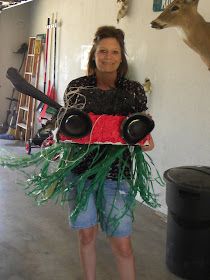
72, 94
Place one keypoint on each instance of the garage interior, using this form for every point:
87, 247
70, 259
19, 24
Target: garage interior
36, 241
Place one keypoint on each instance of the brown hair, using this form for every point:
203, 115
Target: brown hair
108, 32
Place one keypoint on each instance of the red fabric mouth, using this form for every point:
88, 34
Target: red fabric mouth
105, 130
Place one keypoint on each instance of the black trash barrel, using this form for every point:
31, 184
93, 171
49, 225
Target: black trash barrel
188, 222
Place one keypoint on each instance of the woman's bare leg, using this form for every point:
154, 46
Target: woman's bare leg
87, 249
122, 249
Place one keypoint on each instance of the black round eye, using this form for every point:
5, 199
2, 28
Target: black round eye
174, 8
76, 123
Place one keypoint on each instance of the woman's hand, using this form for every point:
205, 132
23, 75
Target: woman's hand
149, 145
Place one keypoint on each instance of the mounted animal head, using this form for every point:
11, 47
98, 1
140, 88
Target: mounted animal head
175, 14
191, 26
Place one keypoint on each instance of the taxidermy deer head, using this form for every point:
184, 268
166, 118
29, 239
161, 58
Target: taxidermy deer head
191, 26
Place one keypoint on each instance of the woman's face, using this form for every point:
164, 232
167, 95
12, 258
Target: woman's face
108, 55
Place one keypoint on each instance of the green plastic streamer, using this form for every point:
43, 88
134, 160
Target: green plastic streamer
50, 169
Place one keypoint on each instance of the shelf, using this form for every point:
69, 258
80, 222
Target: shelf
12, 5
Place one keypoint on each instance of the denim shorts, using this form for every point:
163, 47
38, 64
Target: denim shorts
114, 200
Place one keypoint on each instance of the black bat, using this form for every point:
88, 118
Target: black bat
26, 88
75, 123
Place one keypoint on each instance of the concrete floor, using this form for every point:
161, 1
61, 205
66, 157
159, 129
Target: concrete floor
37, 244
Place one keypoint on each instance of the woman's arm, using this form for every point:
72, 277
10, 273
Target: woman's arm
141, 101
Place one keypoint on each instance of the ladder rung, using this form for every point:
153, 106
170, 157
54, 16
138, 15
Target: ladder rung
23, 125
30, 54
24, 108
28, 73
12, 99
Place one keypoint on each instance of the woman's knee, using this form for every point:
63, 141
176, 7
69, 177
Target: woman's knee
122, 247
87, 235
124, 252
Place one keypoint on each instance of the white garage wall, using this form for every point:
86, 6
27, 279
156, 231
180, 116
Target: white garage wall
14, 30
180, 99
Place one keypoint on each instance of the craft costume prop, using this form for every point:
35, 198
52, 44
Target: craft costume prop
108, 140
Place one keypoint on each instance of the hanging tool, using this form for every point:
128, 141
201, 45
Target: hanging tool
40, 106
52, 94
44, 109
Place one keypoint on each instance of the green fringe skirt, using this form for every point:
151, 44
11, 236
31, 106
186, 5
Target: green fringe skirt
48, 171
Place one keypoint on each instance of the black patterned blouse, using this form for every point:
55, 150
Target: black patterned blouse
128, 97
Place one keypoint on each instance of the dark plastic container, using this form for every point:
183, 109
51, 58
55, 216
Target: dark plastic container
188, 225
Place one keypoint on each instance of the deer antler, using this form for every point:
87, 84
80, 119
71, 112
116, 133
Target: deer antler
123, 9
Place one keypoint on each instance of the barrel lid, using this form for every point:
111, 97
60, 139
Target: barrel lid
191, 177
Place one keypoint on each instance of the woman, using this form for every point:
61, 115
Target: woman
107, 68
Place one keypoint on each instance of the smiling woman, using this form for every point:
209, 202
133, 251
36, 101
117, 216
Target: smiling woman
107, 69
108, 56
104, 36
